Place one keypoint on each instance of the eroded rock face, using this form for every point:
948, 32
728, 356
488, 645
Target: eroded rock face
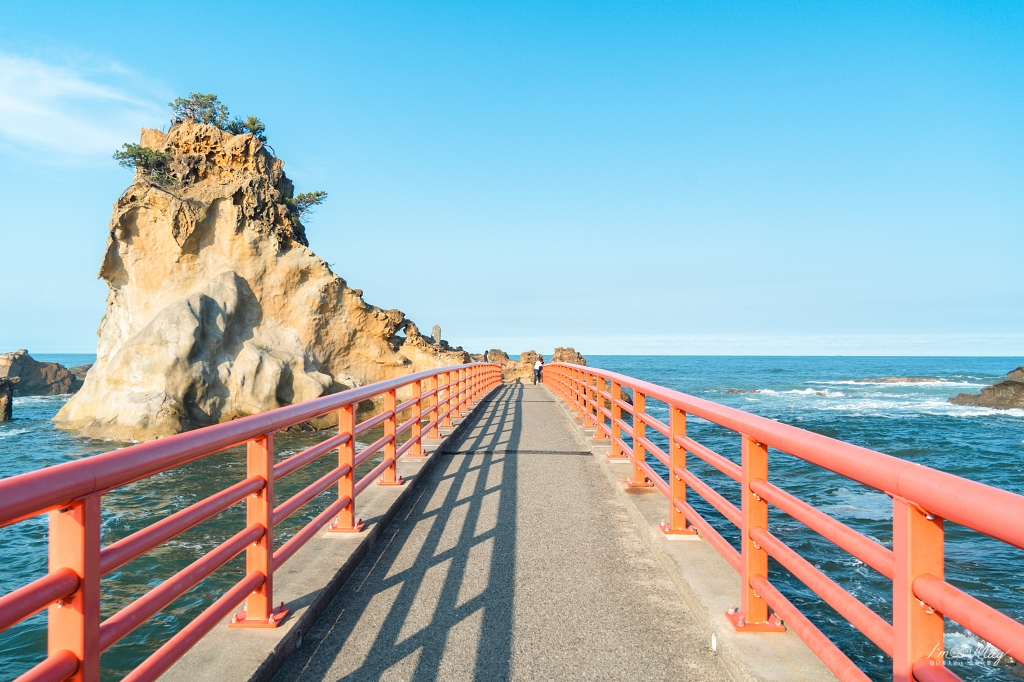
37, 378
1003, 395
218, 309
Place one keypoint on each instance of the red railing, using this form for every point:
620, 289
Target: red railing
72, 494
922, 499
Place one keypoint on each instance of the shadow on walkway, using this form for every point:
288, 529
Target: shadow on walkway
515, 559
443, 569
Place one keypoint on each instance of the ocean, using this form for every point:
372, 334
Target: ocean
834, 396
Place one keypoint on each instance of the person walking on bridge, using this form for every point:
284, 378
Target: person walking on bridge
538, 368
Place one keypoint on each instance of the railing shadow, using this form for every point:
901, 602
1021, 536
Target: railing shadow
441, 574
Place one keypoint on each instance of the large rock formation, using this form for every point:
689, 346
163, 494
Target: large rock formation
37, 378
1004, 395
217, 307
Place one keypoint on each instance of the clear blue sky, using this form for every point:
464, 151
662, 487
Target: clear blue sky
629, 177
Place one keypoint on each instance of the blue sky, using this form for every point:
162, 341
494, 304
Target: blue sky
621, 177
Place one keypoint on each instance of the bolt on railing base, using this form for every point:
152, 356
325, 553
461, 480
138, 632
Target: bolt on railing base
773, 624
667, 529
357, 528
616, 460
277, 616
397, 481
630, 483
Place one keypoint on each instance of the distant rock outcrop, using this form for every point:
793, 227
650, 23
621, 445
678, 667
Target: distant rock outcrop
7, 398
521, 370
218, 309
568, 355
1007, 394
37, 378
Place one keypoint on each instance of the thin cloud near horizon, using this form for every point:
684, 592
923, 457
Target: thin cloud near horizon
74, 114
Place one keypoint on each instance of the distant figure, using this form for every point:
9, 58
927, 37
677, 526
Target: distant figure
538, 368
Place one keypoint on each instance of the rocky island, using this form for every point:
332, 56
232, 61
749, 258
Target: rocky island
217, 307
1007, 394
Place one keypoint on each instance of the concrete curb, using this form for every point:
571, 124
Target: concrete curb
708, 585
307, 584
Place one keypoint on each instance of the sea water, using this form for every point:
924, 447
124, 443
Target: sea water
831, 396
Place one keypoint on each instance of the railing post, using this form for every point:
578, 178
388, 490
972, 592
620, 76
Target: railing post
462, 392
599, 403
616, 452
447, 421
74, 622
588, 418
432, 384
390, 475
753, 613
454, 393
918, 548
417, 425
346, 521
638, 479
259, 556
580, 399
677, 460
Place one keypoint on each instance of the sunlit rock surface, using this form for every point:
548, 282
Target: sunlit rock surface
217, 307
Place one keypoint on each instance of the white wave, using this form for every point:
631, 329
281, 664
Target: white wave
875, 403
896, 409
944, 383
41, 399
861, 504
12, 432
965, 647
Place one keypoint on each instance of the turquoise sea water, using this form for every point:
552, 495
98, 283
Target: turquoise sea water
823, 394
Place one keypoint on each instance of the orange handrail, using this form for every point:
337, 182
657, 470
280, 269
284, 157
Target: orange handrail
922, 499
72, 492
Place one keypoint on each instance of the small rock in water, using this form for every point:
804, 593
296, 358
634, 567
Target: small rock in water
1003, 395
6, 398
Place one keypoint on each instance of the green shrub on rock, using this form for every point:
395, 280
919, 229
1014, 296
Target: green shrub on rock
302, 204
201, 109
151, 162
250, 125
206, 108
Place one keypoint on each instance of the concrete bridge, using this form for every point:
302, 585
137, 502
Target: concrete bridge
508, 532
517, 554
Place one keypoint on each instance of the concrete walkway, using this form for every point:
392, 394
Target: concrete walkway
515, 559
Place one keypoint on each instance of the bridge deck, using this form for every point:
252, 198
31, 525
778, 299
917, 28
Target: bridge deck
514, 560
